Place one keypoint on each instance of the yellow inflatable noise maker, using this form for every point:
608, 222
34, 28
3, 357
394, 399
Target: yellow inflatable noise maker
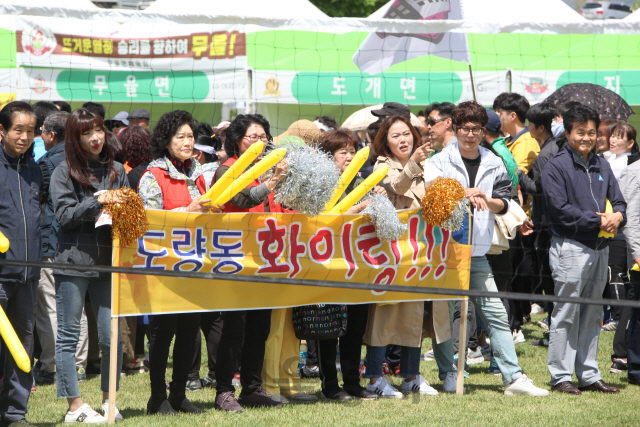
602, 233
6, 330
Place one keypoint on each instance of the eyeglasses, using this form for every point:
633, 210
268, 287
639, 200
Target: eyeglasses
432, 122
255, 138
466, 131
42, 129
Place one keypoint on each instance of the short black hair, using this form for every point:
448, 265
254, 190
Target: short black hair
328, 121
96, 108
238, 128
498, 100
563, 108
580, 114
64, 106
206, 137
421, 114
166, 128
57, 122
542, 114
15, 107
444, 109
42, 110
516, 103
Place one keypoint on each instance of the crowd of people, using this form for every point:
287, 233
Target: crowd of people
558, 165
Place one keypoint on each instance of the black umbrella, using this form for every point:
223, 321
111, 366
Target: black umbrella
608, 104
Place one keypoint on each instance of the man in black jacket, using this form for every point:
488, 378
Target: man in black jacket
20, 181
46, 314
576, 185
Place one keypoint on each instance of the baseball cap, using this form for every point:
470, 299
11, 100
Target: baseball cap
392, 109
303, 129
120, 117
139, 114
493, 125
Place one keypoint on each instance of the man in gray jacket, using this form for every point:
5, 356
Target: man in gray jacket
630, 187
488, 187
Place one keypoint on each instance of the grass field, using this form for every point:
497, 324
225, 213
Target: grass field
484, 405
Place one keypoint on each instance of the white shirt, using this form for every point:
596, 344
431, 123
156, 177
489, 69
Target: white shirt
618, 163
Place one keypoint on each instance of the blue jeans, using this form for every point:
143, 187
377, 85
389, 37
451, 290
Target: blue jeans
70, 296
409, 361
19, 303
495, 319
443, 353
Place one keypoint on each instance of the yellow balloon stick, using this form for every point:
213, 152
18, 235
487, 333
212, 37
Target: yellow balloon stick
347, 176
13, 343
359, 192
602, 233
4, 243
234, 171
252, 174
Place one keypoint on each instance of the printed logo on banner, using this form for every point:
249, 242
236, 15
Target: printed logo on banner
536, 86
39, 85
38, 41
271, 87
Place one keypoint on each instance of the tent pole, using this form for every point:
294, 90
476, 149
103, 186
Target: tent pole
113, 343
462, 346
473, 88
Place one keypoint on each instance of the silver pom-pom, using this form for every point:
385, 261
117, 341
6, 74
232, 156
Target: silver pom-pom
454, 222
384, 217
312, 177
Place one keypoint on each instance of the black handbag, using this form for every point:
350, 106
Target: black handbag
320, 321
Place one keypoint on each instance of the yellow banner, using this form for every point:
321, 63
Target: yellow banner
289, 246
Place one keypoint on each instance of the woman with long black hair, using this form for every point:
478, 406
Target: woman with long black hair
75, 188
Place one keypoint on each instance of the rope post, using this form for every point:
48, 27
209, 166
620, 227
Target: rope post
113, 343
462, 346
473, 87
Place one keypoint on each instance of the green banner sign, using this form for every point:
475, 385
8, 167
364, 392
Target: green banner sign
358, 88
133, 86
625, 83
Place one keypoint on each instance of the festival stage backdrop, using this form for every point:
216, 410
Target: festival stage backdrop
341, 248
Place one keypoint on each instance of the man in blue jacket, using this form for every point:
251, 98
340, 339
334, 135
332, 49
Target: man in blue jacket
20, 180
576, 185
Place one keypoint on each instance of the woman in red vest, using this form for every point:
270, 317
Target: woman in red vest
173, 181
244, 333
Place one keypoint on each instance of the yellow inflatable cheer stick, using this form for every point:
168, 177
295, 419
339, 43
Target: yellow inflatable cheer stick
13, 343
234, 171
602, 233
252, 174
359, 192
347, 176
4, 243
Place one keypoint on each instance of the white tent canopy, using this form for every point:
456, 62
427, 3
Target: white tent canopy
290, 9
50, 8
509, 11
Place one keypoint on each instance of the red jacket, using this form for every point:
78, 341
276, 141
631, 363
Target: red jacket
175, 192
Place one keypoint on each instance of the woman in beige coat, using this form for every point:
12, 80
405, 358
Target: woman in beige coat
402, 323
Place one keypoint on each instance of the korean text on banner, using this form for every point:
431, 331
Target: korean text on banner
325, 248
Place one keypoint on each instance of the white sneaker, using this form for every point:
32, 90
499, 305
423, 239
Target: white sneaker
105, 410
84, 414
383, 389
523, 386
428, 356
518, 337
418, 385
536, 309
451, 382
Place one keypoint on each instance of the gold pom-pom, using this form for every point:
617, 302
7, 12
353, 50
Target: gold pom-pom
444, 204
129, 218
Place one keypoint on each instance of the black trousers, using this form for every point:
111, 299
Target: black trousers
501, 269
523, 262
241, 349
185, 327
471, 328
312, 353
350, 350
211, 326
621, 334
543, 279
615, 288
633, 333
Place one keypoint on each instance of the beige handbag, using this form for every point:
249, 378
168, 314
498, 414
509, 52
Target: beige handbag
506, 227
